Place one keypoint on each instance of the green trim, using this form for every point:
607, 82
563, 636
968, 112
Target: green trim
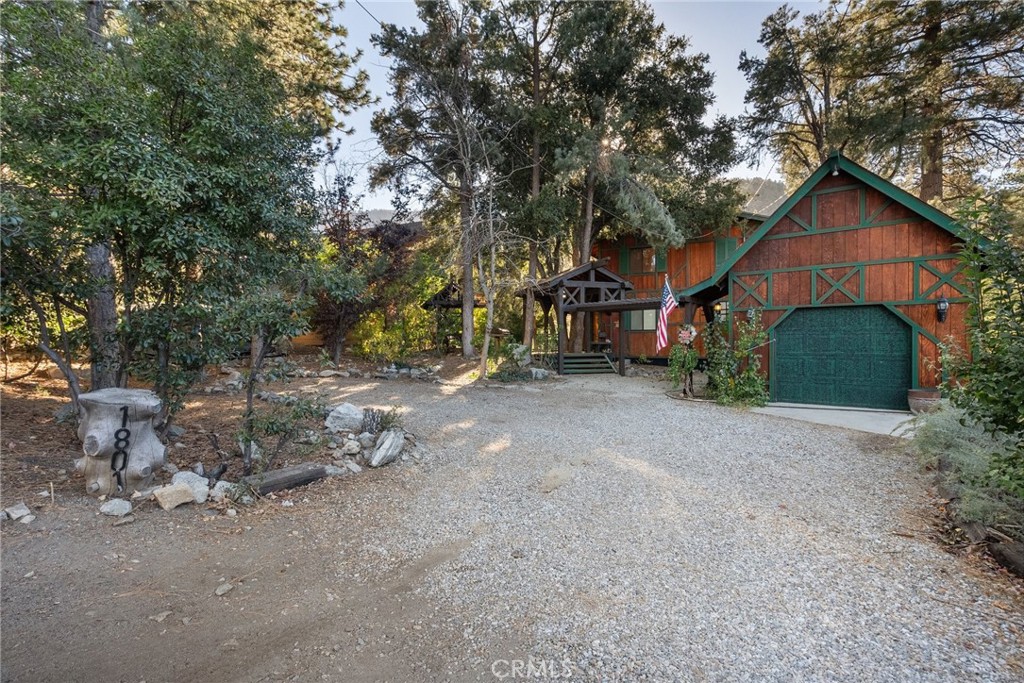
751, 290
943, 279
837, 188
844, 228
799, 221
851, 264
878, 212
837, 162
623, 260
836, 285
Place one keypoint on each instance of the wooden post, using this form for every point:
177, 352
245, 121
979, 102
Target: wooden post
622, 343
561, 330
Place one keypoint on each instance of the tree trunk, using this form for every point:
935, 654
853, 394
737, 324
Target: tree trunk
102, 318
931, 143
465, 216
529, 323
581, 254
101, 304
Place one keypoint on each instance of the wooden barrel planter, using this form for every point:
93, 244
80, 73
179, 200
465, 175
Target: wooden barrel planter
924, 400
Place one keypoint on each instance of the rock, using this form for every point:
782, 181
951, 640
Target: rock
170, 468
116, 507
344, 374
170, 497
257, 452
1010, 555
328, 373
199, 484
222, 490
231, 512
223, 589
335, 471
200, 469
18, 511
175, 432
345, 418
367, 440
3, 516
389, 445
351, 448
130, 519
353, 467
520, 354
27, 519
307, 437
160, 617
539, 373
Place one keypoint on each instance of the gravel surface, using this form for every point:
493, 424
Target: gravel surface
596, 524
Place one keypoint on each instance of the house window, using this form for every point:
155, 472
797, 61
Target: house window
642, 321
642, 260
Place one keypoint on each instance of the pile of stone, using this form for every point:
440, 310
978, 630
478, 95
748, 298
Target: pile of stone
301, 372
354, 443
425, 372
18, 513
233, 383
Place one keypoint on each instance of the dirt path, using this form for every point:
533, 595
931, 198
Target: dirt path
591, 523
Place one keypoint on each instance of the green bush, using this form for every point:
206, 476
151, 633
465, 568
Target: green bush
682, 360
988, 383
734, 369
965, 452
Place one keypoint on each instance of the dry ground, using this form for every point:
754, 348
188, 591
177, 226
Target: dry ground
412, 572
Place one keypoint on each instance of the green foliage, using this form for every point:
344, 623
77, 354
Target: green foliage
174, 145
988, 383
921, 91
734, 369
275, 427
376, 421
682, 360
950, 440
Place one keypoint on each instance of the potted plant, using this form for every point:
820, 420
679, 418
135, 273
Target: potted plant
924, 400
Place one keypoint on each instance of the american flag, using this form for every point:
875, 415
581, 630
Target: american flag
668, 304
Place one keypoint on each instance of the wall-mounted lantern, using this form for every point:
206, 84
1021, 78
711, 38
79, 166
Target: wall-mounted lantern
942, 309
721, 308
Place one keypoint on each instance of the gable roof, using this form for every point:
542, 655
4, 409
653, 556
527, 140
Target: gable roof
835, 163
599, 274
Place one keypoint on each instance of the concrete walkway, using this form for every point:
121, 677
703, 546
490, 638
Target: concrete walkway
889, 422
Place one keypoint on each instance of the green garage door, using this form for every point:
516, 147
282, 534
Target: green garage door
843, 356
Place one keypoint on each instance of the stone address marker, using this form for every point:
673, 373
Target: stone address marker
122, 451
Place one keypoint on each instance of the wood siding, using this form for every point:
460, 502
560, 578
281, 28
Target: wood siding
685, 266
846, 243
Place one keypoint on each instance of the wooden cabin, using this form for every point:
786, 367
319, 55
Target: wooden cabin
646, 267
858, 281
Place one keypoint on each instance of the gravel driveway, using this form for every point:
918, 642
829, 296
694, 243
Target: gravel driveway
598, 524
591, 527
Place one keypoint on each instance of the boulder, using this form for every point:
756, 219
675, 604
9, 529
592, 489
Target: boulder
520, 354
389, 445
353, 467
199, 484
116, 507
539, 373
367, 440
351, 447
173, 495
175, 432
345, 418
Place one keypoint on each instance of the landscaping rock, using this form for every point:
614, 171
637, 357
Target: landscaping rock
18, 511
199, 484
353, 467
116, 507
367, 440
345, 418
173, 495
223, 589
520, 354
351, 448
175, 432
221, 490
335, 471
539, 373
389, 445
27, 519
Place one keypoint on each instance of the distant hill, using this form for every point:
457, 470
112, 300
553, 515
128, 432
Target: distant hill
765, 195
379, 215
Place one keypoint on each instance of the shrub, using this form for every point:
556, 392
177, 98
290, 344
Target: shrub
734, 369
951, 441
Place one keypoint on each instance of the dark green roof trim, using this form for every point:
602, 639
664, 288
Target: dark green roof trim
835, 162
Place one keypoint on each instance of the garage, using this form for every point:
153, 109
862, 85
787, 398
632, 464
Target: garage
856, 356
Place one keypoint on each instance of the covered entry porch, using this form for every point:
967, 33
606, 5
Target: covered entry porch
594, 289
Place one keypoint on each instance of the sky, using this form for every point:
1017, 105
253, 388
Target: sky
719, 29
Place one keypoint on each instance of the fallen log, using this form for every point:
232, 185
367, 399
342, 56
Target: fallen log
285, 478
